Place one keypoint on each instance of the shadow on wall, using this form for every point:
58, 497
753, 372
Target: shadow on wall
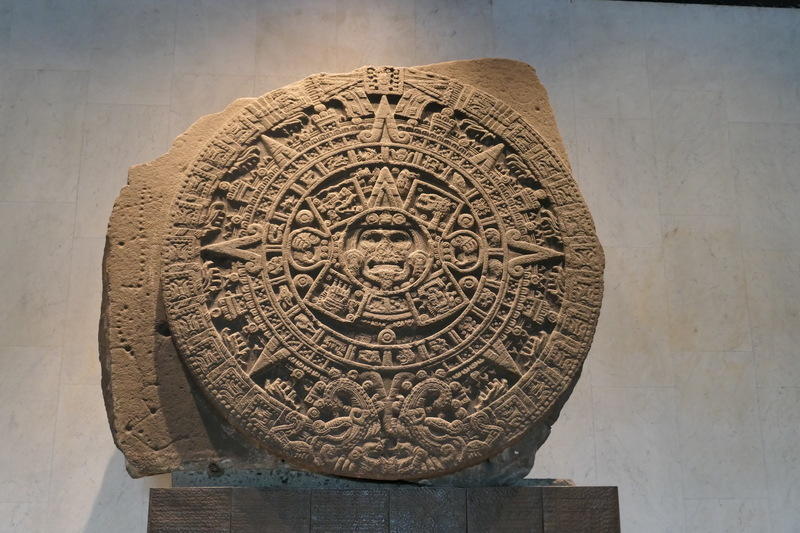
121, 502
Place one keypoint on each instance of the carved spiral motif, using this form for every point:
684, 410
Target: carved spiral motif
383, 274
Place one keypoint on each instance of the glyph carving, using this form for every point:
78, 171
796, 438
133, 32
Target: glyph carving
384, 274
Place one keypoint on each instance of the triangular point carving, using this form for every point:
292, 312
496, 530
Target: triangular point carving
385, 192
498, 354
279, 151
269, 357
488, 158
384, 127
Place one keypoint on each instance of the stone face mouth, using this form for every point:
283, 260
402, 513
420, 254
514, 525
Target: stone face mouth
380, 263
386, 272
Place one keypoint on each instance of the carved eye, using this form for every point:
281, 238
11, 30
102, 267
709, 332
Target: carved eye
399, 237
372, 236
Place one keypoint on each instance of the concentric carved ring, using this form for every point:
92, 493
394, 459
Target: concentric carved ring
383, 274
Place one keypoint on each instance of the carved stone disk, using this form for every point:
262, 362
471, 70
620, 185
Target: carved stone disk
384, 274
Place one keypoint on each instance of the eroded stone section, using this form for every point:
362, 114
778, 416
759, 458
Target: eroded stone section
383, 274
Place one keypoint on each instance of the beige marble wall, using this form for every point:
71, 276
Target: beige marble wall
683, 125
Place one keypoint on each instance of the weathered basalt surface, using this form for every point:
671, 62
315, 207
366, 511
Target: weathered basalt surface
386, 274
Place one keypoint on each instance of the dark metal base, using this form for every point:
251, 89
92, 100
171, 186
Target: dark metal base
396, 509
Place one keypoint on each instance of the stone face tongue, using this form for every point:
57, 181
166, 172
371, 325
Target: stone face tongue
386, 274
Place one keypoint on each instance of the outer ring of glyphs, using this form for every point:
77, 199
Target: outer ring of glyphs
252, 321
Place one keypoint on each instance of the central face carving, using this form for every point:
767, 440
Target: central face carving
385, 251
385, 255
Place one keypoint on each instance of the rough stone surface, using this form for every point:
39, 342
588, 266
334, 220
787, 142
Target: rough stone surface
395, 508
196, 510
580, 509
275, 510
427, 509
387, 274
504, 509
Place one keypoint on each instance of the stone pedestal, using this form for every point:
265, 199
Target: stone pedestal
385, 508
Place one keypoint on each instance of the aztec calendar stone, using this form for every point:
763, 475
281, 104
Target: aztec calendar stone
383, 274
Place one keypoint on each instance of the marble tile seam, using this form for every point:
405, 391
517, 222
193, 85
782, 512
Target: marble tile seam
688, 91
28, 202
28, 346
733, 218
723, 498
53, 429
68, 344
658, 246
635, 387
677, 214
51, 346
765, 122
776, 249
593, 404
680, 450
737, 186
727, 414
172, 71
701, 352
760, 411
80, 177
100, 105
46, 69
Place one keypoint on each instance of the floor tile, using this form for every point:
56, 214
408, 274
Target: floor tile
81, 364
5, 36
116, 137
51, 35
216, 37
726, 516
706, 290
773, 291
765, 159
452, 29
37, 239
278, 50
637, 450
29, 396
766, 98
781, 426
89, 481
534, 32
693, 163
132, 52
631, 345
688, 49
616, 165
197, 95
374, 32
40, 141
718, 426
21, 517
609, 54
569, 452
762, 82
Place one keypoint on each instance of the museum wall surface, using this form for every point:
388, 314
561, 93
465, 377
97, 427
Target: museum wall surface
682, 124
